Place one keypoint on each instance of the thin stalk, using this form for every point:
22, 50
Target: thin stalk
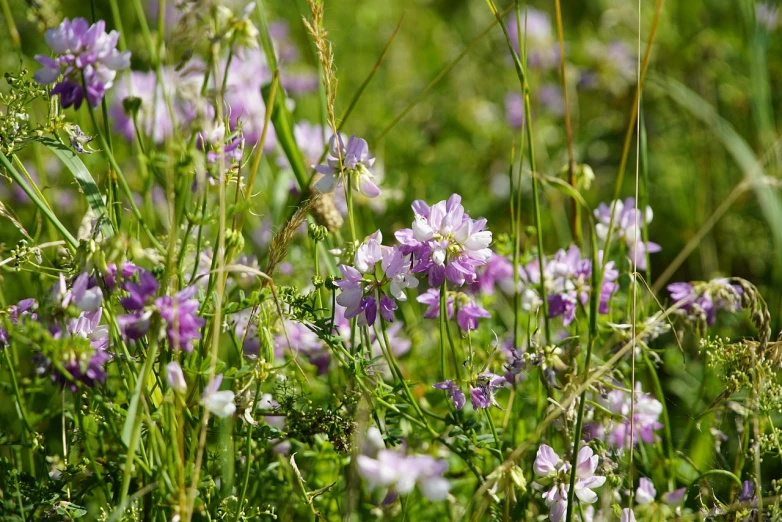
38, 202
122, 181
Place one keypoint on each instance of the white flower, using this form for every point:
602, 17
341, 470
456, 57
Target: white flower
219, 403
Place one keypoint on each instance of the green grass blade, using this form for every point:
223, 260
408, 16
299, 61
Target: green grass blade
84, 179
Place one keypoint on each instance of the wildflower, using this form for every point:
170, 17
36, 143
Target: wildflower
645, 417
468, 311
645, 493
675, 497
498, 271
85, 296
628, 225
747, 491
627, 515
219, 403
550, 467
482, 394
395, 470
567, 279
353, 160
310, 140
445, 242
454, 393
701, 301
360, 289
179, 313
304, 341
175, 378
86, 56
139, 293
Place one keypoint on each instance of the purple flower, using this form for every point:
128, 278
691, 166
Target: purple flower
140, 293
645, 493
628, 227
747, 491
87, 58
700, 301
303, 341
454, 393
175, 378
567, 279
84, 362
431, 298
360, 288
628, 515
310, 139
445, 242
354, 160
675, 497
400, 472
468, 315
498, 271
645, 419
179, 313
219, 403
24, 308
482, 394
550, 467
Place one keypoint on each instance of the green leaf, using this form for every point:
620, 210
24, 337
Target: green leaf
85, 181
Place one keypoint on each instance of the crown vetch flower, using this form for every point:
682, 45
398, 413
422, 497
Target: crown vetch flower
468, 311
645, 421
567, 279
219, 403
701, 301
175, 378
445, 242
179, 313
482, 394
86, 56
550, 467
362, 290
354, 160
628, 226
454, 393
400, 472
645, 493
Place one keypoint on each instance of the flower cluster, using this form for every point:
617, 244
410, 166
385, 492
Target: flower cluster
353, 160
628, 226
87, 58
700, 301
482, 391
644, 422
385, 468
554, 471
567, 278
362, 293
178, 312
445, 242
467, 310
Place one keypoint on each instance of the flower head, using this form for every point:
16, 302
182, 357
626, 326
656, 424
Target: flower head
628, 226
87, 58
182, 323
175, 378
445, 242
219, 403
454, 393
700, 301
550, 467
353, 160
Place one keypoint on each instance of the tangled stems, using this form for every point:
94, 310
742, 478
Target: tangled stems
121, 178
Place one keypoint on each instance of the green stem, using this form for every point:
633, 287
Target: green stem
121, 178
